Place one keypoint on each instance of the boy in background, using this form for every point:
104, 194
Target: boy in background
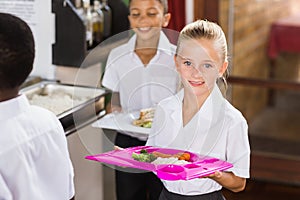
141, 73
34, 157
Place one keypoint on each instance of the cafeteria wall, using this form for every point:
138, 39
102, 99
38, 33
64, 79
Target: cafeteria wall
251, 28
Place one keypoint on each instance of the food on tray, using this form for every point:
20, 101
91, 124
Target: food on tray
185, 156
145, 119
161, 158
171, 160
164, 162
180, 156
143, 156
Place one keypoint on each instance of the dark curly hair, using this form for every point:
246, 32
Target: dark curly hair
17, 51
164, 3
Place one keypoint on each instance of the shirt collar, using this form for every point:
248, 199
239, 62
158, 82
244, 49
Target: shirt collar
131, 44
164, 44
13, 107
207, 110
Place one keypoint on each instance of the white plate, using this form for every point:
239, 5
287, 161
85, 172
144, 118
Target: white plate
121, 122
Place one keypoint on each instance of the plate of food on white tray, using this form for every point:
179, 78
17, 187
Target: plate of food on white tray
136, 121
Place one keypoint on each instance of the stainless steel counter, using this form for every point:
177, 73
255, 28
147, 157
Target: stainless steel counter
84, 140
75, 106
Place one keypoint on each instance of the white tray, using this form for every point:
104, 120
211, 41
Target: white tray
121, 122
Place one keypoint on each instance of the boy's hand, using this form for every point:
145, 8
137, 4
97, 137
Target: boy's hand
116, 109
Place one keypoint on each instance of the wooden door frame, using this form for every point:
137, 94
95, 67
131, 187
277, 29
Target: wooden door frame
206, 9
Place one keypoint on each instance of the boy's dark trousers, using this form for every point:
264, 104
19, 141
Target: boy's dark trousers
139, 185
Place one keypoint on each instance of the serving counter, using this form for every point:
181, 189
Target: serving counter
74, 105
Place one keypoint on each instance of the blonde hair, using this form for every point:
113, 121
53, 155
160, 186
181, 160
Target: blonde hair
210, 31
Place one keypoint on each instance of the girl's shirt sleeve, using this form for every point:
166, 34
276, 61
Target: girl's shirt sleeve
238, 148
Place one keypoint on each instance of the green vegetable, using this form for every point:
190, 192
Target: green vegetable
147, 125
144, 151
143, 156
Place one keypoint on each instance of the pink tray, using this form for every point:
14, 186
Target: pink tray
199, 165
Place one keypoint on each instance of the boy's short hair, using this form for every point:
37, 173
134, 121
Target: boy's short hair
17, 51
164, 3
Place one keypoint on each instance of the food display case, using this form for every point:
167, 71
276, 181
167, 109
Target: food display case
75, 106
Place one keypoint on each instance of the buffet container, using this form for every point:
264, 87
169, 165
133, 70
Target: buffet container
90, 105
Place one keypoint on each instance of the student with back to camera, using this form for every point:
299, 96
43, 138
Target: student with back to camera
141, 73
199, 119
34, 157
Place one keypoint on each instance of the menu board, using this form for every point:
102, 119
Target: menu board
37, 14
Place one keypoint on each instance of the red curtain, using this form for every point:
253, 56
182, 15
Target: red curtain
177, 22
177, 10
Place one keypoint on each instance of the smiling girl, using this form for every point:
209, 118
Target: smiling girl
199, 119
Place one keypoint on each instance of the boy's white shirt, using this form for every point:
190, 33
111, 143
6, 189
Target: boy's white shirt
34, 157
220, 133
139, 86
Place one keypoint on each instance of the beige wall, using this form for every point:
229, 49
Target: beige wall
251, 27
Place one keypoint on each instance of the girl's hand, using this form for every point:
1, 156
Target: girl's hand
118, 148
116, 109
216, 175
228, 180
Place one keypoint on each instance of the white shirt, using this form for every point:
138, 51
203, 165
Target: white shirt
139, 86
34, 157
218, 130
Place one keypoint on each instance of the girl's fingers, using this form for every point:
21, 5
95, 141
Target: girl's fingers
118, 148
